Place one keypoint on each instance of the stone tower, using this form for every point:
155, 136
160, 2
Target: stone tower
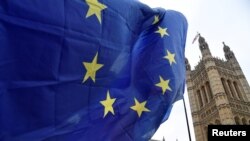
218, 91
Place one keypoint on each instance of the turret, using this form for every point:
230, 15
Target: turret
230, 57
205, 51
191, 92
188, 67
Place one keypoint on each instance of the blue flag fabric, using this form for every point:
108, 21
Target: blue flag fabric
96, 70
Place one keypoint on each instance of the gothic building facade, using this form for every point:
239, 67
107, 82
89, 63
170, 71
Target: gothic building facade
218, 91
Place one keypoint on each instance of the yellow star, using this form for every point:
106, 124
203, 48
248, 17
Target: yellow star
91, 68
162, 31
156, 19
140, 107
170, 57
164, 84
95, 8
107, 103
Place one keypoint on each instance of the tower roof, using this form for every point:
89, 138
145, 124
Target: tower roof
201, 39
226, 48
186, 61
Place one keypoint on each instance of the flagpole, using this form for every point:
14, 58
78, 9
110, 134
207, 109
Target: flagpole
186, 119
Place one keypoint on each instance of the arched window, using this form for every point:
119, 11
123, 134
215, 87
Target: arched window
209, 90
231, 88
244, 121
225, 86
237, 90
199, 98
237, 120
204, 94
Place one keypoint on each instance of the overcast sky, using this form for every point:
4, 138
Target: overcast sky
217, 21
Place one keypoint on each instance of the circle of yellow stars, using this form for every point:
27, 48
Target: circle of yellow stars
95, 9
164, 84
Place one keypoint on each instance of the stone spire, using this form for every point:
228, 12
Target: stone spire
228, 53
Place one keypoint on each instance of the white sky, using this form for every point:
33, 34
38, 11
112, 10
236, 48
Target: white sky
217, 21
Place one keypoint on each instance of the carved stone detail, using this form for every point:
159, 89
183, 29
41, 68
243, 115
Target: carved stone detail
211, 71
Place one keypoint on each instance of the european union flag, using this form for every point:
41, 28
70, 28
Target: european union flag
88, 70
